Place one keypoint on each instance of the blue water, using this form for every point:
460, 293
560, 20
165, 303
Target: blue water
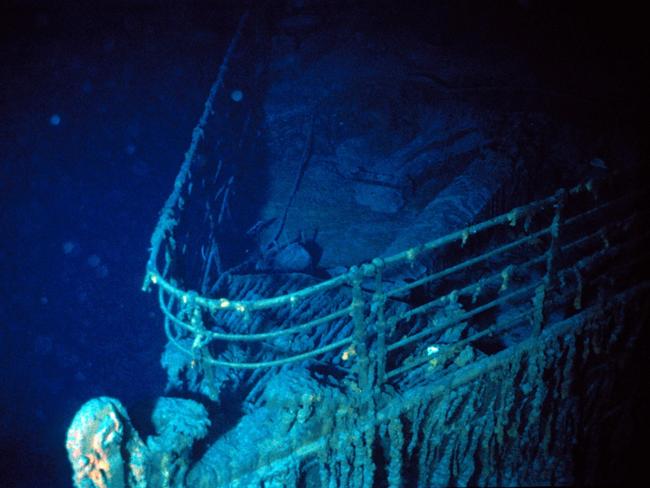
97, 108
97, 104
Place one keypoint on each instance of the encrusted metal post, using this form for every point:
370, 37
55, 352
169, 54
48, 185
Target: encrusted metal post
358, 318
378, 306
554, 248
542, 291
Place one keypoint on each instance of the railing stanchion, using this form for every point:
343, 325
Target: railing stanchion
554, 248
359, 335
552, 254
379, 303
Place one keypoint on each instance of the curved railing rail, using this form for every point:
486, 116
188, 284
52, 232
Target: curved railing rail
381, 347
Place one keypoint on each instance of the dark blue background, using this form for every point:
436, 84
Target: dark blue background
78, 203
79, 199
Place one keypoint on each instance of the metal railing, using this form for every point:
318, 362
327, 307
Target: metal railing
383, 343
524, 279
